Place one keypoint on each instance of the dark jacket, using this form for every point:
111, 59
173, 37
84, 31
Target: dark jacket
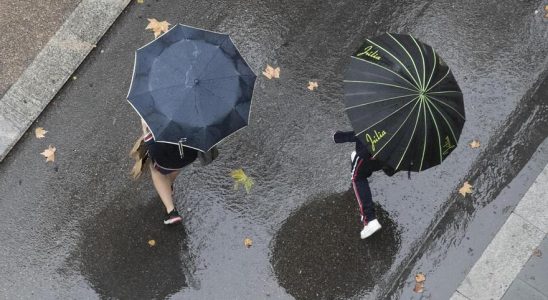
372, 164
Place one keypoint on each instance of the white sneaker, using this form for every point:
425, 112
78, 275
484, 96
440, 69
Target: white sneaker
370, 228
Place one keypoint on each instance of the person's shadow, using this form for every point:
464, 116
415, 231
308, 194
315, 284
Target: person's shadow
318, 254
127, 253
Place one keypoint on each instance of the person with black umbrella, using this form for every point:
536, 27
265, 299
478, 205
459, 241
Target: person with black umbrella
363, 165
192, 89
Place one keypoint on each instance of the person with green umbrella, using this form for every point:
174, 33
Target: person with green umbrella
406, 109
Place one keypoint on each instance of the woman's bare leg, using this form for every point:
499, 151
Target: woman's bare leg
163, 183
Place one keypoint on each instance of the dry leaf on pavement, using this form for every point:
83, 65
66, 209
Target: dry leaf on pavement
40, 132
465, 189
537, 252
546, 10
248, 242
312, 85
140, 1
419, 287
270, 72
241, 178
475, 144
419, 283
157, 27
152, 243
49, 153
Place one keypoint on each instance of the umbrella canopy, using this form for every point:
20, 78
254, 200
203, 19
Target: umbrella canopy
403, 102
191, 87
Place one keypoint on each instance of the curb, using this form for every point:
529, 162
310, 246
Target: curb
511, 248
53, 66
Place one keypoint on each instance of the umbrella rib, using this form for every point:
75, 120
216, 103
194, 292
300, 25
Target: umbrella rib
383, 119
377, 101
425, 137
224, 89
397, 130
438, 132
379, 83
433, 69
446, 122
423, 64
197, 108
436, 99
213, 57
412, 60
212, 92
225, 77
448, 70
443, 92
160, 89
416, 84
385, 68
412, 134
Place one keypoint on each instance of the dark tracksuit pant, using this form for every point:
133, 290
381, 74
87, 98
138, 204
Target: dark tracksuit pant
362, 168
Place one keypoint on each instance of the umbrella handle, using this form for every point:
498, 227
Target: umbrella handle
181, 149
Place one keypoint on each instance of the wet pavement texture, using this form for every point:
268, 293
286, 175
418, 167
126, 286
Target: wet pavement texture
501, 176
78, 205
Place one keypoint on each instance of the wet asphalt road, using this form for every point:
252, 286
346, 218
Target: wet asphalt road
78, 228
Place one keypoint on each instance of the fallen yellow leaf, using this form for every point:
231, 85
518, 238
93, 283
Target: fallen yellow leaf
152, 243
419, 287
312, 85
475, 144
40, 132
248, 242
420, 277
157, 27
270, 72
241, 178
546, 10
465, 189
140, 1
49, 153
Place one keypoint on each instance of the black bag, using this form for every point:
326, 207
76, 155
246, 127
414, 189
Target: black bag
208, 157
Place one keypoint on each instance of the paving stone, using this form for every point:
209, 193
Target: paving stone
521, 290
502, 260
535, 271
534, 205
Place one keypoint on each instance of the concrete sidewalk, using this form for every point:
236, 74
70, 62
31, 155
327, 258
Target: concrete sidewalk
31, 25
48, 52
514, 265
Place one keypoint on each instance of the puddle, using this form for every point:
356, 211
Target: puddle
115, 257
318, 254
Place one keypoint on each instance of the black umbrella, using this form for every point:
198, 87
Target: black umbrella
403, 102
192, 87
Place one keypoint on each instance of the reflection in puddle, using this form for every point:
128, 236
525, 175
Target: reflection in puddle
318, 254
116, 259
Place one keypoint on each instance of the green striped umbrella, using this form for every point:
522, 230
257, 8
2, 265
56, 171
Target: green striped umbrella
403, 102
